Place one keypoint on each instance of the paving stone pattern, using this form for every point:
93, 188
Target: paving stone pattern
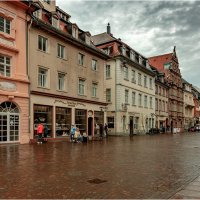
141, 167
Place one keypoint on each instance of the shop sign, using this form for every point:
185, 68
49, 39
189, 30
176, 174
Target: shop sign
70, 103
7, 86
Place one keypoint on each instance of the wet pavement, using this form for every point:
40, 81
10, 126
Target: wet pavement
142, 167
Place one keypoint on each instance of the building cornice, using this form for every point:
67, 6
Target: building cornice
68, 98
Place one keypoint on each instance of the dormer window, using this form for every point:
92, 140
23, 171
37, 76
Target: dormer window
54, 22
47, 1
38, 14
140, 60
75, 32
132, 55
123, 50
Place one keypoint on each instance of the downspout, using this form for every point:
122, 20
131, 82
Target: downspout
115, 95
27, 68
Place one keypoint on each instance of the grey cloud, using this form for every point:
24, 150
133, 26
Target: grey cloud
150, 27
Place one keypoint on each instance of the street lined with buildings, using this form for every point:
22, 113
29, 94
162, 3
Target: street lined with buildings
53, 72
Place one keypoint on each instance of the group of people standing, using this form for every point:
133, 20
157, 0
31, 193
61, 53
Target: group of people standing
75, 135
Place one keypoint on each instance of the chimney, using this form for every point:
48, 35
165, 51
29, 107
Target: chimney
108, 29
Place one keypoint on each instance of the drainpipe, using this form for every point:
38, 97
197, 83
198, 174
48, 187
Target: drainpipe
27, 69
115, 95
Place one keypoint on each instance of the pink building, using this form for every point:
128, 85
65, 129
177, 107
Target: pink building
14, 84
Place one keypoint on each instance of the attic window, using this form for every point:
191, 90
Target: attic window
75, 32
38, 13
47, 1
54, 22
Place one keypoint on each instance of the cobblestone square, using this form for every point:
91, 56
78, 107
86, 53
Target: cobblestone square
117, 167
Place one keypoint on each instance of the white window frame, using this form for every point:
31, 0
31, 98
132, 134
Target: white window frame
145, 101
61, 81
81, 59
61, 51
5, 65
108, 74
126, 96
54, 22
44, 43
6, 26
139, 79
43, 78
140, 100
94, 89
94, 65
133, 98
81, 87
133, 80
108, 95
126, 72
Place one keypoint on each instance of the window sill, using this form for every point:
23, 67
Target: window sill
46, 88
107, 78
82, 95
95, 98
81, 66
126, 79
61, 58
61, 91
43, 51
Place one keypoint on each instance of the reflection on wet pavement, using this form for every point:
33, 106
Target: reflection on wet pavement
117, 167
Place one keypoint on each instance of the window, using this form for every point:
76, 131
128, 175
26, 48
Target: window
42, 77
108, 95
61, 81
136, 125
145, 101
145, 81
94, 65
156, 89
5, 68
94, 89
156, 104
38, 13
151, 102
150, 83
61, 51
42, 43
133, 98
111, 122
54, 22
133, 76
4, 25
139, 79
163, 106
126, 73
107, 71
81, 87
47, 1
140, 100
81, 59
126, 96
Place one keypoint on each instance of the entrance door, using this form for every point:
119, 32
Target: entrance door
9, 122
90, 125
131, 125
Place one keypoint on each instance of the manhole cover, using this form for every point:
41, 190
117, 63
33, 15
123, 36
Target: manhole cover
96, 181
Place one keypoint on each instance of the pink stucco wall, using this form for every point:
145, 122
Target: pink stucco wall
14, 46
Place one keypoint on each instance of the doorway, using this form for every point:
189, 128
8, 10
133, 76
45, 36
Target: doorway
131, 125
90, 125
9, 122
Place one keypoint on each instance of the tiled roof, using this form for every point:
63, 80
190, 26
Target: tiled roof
159, 61
102, 38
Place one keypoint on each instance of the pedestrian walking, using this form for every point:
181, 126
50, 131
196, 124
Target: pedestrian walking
40, 130
101, 131
106, 129
72, 132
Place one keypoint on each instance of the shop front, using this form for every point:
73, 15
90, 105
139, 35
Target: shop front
60, 115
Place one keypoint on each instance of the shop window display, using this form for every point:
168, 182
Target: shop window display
63, 121
80, 120
44, 115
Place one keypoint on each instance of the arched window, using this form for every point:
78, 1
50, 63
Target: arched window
8, 107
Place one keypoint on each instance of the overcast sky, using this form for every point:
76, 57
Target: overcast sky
150, 27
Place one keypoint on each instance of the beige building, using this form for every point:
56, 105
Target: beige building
161, 101
130, 87
66, 73
189, 119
